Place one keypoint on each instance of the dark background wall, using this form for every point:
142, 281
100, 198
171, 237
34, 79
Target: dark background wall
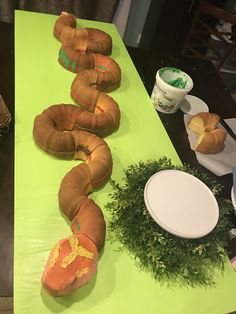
168, 22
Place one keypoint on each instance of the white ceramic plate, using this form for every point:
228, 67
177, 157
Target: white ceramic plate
192, 105
181, 204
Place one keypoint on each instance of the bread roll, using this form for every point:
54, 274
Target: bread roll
211, 139
211, 142
203, 122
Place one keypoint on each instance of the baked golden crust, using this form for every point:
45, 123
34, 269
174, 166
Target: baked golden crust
211, 138
211, 142
203, 122
73, 132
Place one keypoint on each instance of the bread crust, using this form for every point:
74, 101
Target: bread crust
74, 132
211, 138
71, 264
211, 142
203, 122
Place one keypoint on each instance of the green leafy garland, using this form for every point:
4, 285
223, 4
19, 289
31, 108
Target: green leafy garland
169, 258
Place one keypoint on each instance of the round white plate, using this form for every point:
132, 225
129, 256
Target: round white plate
181, 204
192, 105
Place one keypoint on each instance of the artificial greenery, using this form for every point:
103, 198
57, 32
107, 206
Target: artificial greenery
167, 257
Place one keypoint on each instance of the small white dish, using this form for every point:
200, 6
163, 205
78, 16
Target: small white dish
233, 198
181, 204
192, 105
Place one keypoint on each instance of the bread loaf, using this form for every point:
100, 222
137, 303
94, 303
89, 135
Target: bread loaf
65, 131
211, 138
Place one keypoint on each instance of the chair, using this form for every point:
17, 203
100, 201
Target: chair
207, 39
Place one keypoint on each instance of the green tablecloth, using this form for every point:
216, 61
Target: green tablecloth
119, 287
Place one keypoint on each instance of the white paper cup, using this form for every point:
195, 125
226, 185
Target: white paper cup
170, 88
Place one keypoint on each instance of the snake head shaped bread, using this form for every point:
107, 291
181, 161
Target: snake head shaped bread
211, 138
71, 264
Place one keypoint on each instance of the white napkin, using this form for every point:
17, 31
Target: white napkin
222, 162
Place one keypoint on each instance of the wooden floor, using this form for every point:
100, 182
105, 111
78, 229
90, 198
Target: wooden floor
6, 305
7, 170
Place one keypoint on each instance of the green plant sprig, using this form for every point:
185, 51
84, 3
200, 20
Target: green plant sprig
167, 257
